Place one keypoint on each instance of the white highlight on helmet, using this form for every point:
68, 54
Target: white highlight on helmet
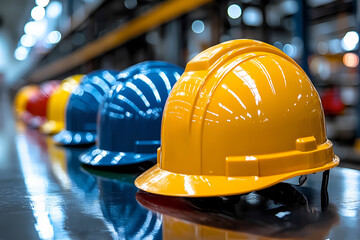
106, 75
151, 85
99, 157
117, 158
96, 151
77, 138
234, 95
89, 137
138, 92
225, 108
241, 73
130, 103
188, 186
166, 81
177, 76
265, 71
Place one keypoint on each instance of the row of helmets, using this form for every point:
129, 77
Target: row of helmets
243, 116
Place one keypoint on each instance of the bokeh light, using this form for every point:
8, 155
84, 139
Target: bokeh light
36, 28
28, 40
252, 16
351, 60
53, 37
21, 53
38, 13
54, 9
130, 4
350, 41
198, 26
42, 3
234, 11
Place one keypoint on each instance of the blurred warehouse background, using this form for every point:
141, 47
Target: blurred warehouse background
43, 40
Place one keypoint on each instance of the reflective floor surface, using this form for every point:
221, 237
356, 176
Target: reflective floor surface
46, 194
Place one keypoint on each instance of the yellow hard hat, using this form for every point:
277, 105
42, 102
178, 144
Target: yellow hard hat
55, 110
22, 97
244, 116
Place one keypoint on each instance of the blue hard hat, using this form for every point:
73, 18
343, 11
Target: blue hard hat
130, 116
82, 108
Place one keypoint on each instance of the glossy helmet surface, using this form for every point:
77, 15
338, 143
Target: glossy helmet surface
82, 108
244, 116
130, 117
22, 96
35, 114
55, 110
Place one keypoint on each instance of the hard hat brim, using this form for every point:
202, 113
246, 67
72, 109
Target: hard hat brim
51, 127
71, 138
99, 157
162, 182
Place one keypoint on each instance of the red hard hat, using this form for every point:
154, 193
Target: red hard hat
35, 113
332, 102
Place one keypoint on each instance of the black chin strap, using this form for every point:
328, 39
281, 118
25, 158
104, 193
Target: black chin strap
324, 191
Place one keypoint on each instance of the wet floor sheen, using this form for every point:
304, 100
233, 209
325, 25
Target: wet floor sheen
46, 194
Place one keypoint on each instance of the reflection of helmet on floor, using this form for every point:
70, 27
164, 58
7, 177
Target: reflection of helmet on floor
130, 117
176, 229
244, 116
83, 180
21, 98
55, 111
119, 207
254, 215
35, 114
58, 164
82, 108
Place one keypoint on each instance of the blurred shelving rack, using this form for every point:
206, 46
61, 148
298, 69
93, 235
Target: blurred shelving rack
110, 35
105, 32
